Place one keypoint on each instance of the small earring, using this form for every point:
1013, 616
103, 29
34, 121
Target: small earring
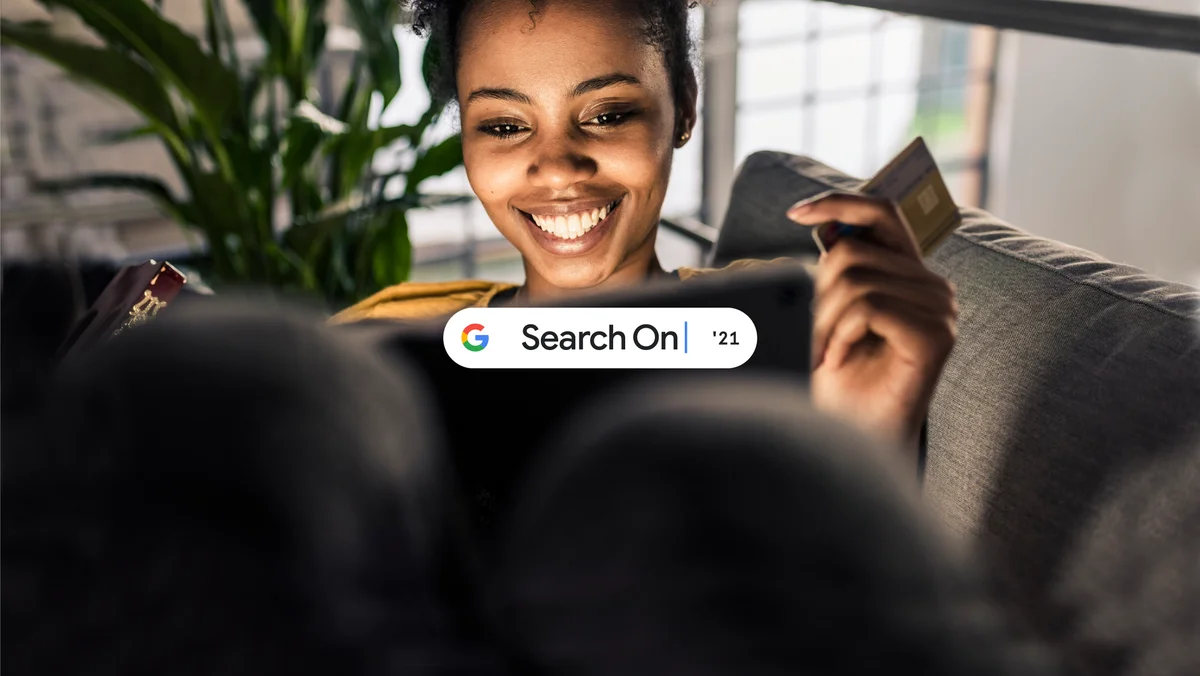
683, 138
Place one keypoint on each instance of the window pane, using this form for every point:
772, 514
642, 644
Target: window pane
955, 46
941, 119
771, 73
684, 194
895, 124
501, 267
833, 16
901, 39
440, 271
844, 62
962, 183
675, 250
840, 138
779, 129
772, 19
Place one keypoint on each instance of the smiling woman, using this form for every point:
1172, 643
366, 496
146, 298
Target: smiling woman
553, 134
571, 112
568, 148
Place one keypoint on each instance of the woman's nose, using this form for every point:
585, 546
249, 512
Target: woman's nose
559, 164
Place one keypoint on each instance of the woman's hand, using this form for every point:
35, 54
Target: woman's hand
884, 324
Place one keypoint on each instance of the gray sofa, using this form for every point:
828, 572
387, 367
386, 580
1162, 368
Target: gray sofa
1070, 373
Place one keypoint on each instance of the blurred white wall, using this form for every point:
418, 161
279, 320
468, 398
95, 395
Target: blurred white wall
1098, 146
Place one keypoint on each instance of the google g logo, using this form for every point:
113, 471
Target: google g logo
478, 341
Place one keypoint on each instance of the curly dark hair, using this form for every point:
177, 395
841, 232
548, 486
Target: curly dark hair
664, 25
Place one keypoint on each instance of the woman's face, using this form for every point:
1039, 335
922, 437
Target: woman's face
568, 128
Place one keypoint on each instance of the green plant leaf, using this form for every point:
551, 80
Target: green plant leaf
314, 30
212, 27
428, 118
307, 237
391, 255
252, 86
375, 21
118, 136
327, 124
306, 195
307, 128
350, 95
221, 30
300, 142
268, 22
104, 68
172, 53
354, 100
315, 45
436, 161
359, 146
221, 208
253, 164
150, 186
297, 51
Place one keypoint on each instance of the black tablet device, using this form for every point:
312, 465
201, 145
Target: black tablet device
497, 420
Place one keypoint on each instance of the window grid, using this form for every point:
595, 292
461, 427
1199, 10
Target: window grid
813, 69
874, 89
925, 84
972, 72
49, 139
18, 141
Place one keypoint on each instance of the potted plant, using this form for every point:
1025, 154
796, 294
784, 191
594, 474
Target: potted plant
279, 191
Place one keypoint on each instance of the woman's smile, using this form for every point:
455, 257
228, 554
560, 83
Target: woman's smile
571, 228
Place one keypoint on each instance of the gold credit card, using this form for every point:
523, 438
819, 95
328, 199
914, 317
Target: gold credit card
913, 182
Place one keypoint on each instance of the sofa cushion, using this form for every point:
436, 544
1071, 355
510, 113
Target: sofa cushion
756, 224
1069, 372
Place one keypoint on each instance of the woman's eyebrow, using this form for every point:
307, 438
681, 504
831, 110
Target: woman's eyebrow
590, 85
500, 94
603, 81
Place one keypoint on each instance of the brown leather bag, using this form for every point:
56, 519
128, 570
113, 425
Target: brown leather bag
136, 294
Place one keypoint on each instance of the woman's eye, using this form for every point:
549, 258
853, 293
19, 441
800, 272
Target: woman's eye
611, 119
501, 129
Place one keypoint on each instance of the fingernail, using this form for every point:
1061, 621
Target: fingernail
798, 211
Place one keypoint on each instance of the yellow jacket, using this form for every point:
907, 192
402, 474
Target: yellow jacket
430, 300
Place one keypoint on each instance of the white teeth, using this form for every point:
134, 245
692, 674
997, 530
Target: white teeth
573, 225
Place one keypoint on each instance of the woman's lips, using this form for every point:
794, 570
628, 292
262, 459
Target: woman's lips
572, 234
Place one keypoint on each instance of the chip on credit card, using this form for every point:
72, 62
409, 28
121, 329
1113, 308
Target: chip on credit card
912, 181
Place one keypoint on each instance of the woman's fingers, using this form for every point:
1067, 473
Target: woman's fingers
858, 270
876, 284
917, 336
882, 217
859, 255
914, 299
927, 298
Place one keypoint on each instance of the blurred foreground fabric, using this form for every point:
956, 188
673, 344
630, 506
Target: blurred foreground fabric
236, 488
229, 489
